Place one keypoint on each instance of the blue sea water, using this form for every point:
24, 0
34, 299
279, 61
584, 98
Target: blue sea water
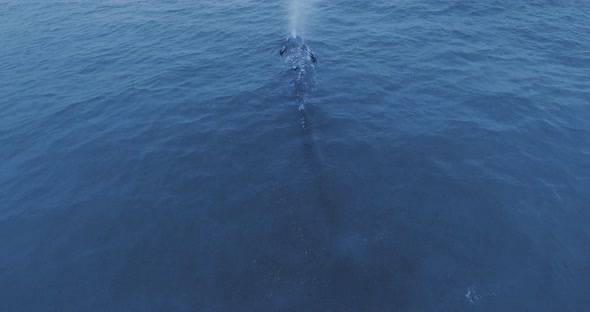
162, 156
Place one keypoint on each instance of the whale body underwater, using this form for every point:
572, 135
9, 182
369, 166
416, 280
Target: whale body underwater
301, 61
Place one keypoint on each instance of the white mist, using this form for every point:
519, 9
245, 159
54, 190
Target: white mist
296, 17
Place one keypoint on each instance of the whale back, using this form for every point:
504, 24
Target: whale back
301, 61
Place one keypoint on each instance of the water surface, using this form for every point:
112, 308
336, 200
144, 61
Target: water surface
152, 156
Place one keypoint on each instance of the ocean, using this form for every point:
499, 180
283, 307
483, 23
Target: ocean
304, 155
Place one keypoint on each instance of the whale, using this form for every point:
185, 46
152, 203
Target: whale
301, 69
296, 46
301, 62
